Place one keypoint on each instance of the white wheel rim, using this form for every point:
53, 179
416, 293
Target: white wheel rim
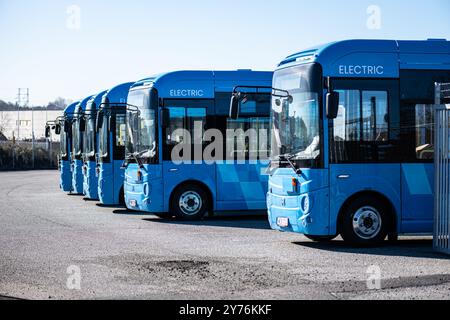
190, 203
367, 223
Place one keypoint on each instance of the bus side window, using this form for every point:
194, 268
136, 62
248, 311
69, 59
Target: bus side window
186, 125
120, 130
424, 128
375, 116
177, 119
347, 126
250, 138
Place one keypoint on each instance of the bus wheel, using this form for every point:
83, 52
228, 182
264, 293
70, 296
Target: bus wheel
320, 238
190, 203
365, 222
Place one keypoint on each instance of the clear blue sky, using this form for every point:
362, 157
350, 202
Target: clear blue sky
121, 41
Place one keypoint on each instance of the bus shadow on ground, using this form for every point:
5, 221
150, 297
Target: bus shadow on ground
411, 248
122, 210
240, 222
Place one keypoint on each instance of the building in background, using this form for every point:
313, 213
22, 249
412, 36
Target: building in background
20, 124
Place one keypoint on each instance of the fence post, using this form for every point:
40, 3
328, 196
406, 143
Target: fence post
13, 151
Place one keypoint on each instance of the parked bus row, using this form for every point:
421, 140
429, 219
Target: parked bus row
337, 141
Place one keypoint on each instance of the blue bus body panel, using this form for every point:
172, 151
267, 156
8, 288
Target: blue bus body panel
409, 187
241, 186
90, 179
77, 176
174, 175
66, 176
111, 174
417, 197
232, 187
387, 57
105, 187
383, 179
77, 165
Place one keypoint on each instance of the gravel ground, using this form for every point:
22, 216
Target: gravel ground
45, 233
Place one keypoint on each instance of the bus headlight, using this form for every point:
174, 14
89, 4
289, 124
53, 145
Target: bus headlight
147, 189
306, 204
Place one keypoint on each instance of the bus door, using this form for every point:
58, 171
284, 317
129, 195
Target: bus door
364, 140
185, 123
118, 136
242, 181
417, 123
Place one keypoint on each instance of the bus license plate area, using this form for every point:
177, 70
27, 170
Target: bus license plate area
133, 203
283, 222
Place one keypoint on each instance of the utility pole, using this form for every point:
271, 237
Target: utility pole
23, 100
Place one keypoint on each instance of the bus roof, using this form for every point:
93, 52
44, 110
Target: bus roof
119, 93
81, 106
203, 84
70, 109
374, 58
95, 101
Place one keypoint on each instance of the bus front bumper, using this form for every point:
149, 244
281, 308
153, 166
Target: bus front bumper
146, 196
66, 176
90, 181
106, 185
305, 213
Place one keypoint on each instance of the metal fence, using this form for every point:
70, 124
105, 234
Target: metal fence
442, 169
22, 155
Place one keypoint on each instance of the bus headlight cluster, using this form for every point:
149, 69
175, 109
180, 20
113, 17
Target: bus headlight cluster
147, 189
306, 204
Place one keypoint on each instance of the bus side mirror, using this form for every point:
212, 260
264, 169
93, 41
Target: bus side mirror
332, 104
165, 117
99, 121
58, 129
234, 106
47, 131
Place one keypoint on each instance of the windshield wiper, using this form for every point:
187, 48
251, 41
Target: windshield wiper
135, 155
288, 158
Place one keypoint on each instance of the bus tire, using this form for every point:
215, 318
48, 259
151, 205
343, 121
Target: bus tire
320, 238
365, 222
190, 203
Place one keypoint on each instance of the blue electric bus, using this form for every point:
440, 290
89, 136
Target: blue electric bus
61, 127
90, 147
352, 139
78, 126
65, 154
111, 126
184, 109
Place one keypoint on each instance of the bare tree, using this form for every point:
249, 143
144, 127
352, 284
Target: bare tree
4, 122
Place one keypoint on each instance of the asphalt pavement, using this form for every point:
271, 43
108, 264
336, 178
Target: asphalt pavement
59, 246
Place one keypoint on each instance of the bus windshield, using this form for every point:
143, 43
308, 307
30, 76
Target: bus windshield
296, 117
76, 136
103, 137
141, 130
63, 143
89, 145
